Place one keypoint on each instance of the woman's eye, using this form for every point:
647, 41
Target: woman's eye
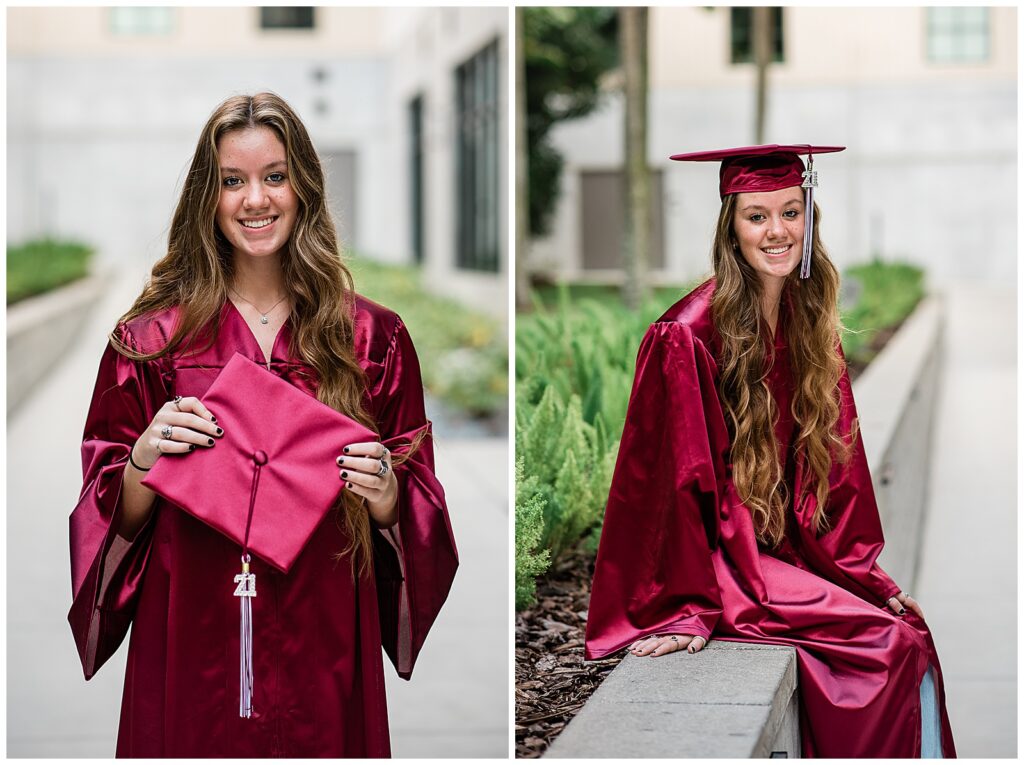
757, 217
791, 213
230, 181
275, 177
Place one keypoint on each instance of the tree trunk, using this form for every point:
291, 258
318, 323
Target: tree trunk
522, 172
633, 46
763, 39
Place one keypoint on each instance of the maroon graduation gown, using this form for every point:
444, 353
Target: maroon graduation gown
678, 552
317, 634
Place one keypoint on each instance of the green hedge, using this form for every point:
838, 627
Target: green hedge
42, 265
463, 354
575, 359
887, 293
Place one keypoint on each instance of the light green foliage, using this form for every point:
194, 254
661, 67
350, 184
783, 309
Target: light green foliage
463, 354
42, 265
574, 373
887, 293
530, 561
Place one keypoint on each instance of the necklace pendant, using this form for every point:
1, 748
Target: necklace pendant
264, 319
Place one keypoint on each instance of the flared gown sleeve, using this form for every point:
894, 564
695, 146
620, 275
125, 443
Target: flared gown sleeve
106, 570
848, 552
414, 561
654, 571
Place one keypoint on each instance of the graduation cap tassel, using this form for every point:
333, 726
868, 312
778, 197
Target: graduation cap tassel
246, 591
810, 182
245, 640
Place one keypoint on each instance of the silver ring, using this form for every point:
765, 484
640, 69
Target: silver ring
167, 432
673, 638
158, 446
384, 468
177, 400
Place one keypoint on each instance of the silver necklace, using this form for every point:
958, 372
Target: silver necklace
264, 315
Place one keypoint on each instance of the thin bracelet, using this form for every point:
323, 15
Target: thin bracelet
137, 467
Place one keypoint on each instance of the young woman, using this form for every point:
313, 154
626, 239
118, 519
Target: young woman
253, 267
741, 504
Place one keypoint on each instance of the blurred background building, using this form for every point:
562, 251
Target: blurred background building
924, 99
407, 108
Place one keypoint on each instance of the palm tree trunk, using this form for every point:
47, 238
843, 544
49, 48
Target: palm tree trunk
522, 172
633, 45
761, 27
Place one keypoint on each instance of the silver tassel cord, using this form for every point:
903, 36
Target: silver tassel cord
810, 181
245, 591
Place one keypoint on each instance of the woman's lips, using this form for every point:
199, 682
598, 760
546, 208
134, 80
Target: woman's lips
780, 251
262, 229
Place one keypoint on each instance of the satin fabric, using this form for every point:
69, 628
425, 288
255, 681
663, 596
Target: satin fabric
678, 552
317, 633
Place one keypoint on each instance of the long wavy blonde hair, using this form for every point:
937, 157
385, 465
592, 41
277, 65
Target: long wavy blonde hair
743, 361
198, 268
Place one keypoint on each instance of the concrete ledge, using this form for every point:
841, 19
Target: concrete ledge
41, 329
896, 397
729, 700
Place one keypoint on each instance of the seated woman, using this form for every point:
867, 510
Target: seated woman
741, 504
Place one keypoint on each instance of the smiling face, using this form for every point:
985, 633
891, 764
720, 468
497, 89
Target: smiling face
258, 207
769, 228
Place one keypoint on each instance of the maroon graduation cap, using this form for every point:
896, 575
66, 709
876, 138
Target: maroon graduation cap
268, 482
768, 168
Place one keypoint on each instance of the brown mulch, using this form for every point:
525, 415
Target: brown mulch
552, 680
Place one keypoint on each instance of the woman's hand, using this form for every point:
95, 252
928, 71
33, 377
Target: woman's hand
659, 645
366, 471
177, 428
898, 602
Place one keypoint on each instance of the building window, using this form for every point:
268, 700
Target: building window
742, 35
477, 162
958, 34
287, 17
141, 21
416, 177
603, 195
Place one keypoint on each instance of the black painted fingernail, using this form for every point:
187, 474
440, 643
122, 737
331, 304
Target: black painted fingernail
344, 474
212, 418
341, 460
348, 485
191, 447
211, 442
345, 450
220, 432
902, 611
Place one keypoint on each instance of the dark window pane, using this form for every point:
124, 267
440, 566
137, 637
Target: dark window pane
416, 177
477, 89
286, 17
741, 35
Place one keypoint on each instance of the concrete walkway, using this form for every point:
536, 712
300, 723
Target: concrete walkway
455, 706
967, 581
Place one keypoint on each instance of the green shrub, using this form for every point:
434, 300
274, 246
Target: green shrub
463, 354
42, 265
574, 373
531, 562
